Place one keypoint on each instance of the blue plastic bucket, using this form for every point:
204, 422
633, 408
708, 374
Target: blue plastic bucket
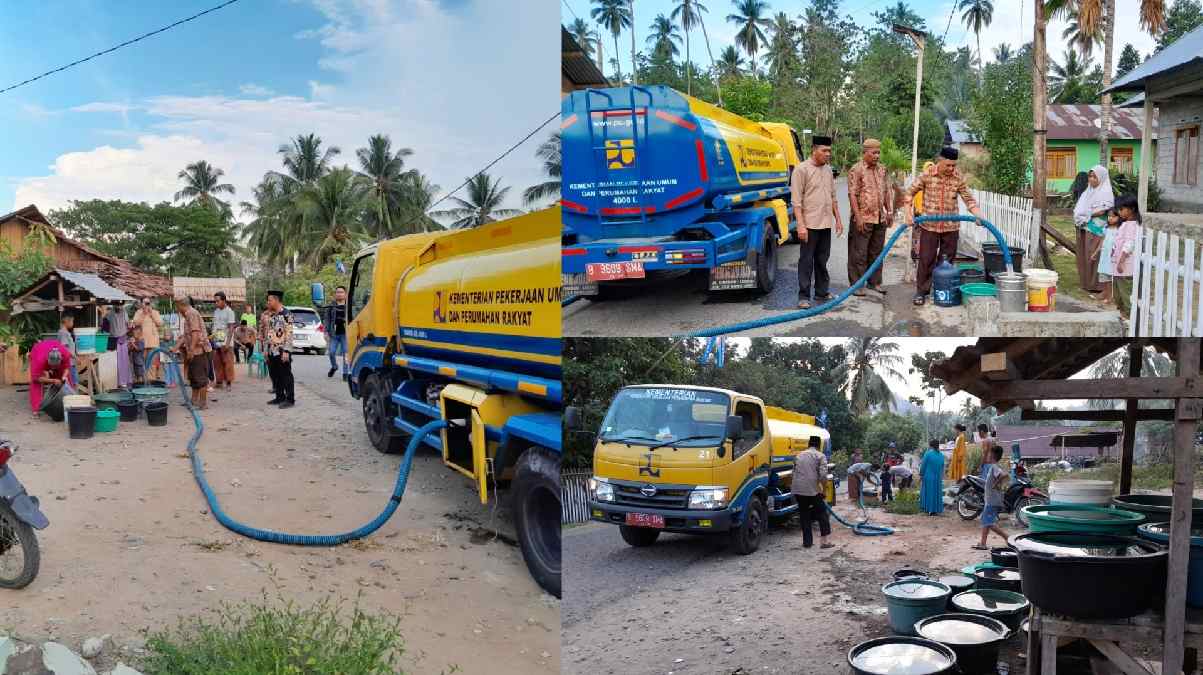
1160, 533
909, 600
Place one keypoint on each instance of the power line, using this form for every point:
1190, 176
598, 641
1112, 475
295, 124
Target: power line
570, 10
499, 158
115, 48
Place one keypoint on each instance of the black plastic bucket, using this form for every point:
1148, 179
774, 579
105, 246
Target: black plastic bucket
1004, 556
886, 655
82, 422
905, 572
975, 639
156, 413
992, 259
52, 402
129, 410
972, 275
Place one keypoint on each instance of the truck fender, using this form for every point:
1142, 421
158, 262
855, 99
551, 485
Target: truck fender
781, 212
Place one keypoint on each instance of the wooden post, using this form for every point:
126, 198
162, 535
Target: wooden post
1189, 412
1146, 151
1039, 124
1135, 361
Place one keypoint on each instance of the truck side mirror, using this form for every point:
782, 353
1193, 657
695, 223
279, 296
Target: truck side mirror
735, 428
572, 418
317, 293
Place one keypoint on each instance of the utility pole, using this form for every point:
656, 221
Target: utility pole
920, 41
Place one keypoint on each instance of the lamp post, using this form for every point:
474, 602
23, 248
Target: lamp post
920, 41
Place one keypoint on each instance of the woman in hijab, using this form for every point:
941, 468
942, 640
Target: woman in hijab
931, 477
1090, 219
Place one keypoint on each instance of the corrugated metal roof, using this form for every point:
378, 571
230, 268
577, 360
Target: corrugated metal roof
579, 69
1045, 441
94, 285
1081, 122
958, 131
1185, 51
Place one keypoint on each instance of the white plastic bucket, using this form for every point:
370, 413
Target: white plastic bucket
1079, 491
1042, 290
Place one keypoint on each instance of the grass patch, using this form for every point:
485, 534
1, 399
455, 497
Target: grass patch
906, 502
250, 638
1151, 477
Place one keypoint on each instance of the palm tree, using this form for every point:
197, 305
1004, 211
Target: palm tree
549, 152
305, 161
689, 13
730, 63
584, 35
264, 234
384, 170
664, 37
485, 196
614, 16
1003, 53
1069, 82
977, 14
751, 22
871, 361
783, 46
634, 68
1078, 37
202, 184
1115, 364
419, 194
333, 206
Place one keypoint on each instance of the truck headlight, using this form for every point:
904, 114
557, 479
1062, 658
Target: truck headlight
708, 497
601, 489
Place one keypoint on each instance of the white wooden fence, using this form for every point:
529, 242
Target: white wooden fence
1012, 215
574, 496
1167, 287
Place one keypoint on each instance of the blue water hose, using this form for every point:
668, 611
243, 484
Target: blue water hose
815, 311
198, 472
863, 527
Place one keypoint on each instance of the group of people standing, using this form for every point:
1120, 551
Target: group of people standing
1107, 230
873, 200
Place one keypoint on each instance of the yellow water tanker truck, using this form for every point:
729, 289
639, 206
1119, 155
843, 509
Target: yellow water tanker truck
696, 460
464, 325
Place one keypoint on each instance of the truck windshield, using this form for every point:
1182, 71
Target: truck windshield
663, 416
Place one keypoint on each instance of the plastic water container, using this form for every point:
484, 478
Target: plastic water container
1042, 290
85, 340
946, 284
1160, 533
913, 598
1080, 491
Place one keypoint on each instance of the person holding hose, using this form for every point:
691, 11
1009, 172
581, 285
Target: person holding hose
808, 486
812, 193
940, 190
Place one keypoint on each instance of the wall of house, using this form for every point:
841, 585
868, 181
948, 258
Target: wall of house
1172, 115
1088, 156
13, 233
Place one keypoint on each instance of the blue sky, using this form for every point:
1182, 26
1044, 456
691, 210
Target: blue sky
446, 78
1012, 24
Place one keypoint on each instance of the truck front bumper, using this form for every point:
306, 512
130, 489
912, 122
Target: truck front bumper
675, 520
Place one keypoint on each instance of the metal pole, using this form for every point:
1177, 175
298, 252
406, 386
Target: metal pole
919, 42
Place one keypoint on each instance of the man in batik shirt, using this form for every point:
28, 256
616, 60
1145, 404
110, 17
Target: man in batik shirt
871, 202
279, 351
937, 239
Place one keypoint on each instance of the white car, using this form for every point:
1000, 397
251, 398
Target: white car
307, 332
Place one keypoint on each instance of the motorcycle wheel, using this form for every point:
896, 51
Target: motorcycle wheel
19, 554
1026, 501
969, 507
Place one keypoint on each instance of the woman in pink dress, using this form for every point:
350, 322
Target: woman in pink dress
43, 372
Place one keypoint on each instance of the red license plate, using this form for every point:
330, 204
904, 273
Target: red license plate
645, 520
614, 271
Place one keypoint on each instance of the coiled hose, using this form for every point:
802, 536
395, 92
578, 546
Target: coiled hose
198, 472
863, 527
815, 311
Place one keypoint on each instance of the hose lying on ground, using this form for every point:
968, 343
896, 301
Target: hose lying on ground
863, 527
198, 472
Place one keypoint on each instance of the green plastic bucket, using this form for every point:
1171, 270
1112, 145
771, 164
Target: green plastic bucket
102, 342
106, 420
979, 290
914, 598
110, 399
1082, 519
149, 394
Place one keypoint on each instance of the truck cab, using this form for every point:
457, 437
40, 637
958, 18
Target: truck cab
697, 460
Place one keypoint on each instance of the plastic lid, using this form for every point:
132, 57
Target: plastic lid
990, 600
1160, 533
962, 629
916, 587
902, 658
954, 580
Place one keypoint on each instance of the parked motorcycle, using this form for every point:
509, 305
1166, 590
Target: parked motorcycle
970, 496
20, 515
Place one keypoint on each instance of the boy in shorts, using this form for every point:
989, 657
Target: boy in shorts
994, 479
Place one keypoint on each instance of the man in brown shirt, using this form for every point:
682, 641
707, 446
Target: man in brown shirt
812, 193
808, 484
940, 188
195, 348
871, 203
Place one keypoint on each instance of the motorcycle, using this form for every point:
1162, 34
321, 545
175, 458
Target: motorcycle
20, 515
970, 496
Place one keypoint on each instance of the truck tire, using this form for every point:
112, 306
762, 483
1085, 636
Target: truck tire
378, 414
537, 515
639, 536
766, 263
745, 539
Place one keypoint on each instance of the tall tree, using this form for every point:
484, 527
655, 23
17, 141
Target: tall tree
202, 184
1002, 53
614, 16
664, 37
1079, 37
976, 15
689, 13
1071, 81
385, 171
304, 160
1129, 58
902, 14
871, 363
634, 59
333, 206
751, 22
1183, 17
483, 205
265, 233
585, 36
782, 54
730, 63
549, 153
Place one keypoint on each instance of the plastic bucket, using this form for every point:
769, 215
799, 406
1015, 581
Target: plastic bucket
129, 410
1008, 607
1155, 508
52, 402
148, 394
102, 342
106, 420
85, 340
110, 399
1042, 290
156, 413
958, 583
992, 259
1012, 291
82, 422
911, 599
975, 638
972, 275
1081, 519
1160, 533
887, 655
1080, 491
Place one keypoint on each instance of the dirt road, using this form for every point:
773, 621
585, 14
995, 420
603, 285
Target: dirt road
691, 605
133, 547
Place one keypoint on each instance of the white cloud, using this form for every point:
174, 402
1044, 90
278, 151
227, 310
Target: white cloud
104, 107
37, 112
252, 89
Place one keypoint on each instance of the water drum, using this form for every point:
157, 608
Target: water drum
1042, 290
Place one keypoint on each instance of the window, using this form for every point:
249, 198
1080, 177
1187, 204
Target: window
1186, 156
1062, 163
753, 428
1121, 161
361, 283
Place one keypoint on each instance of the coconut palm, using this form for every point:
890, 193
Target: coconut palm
384, 170
634, 68
419, 194
871, 361
1069, 82
202, 183
976, 15
1077, 36
614, 16
730, 63
584, 34
783, 46
749, 18
689, 13
549, 152
264, 234
664, 37
1115, 364
305, 161
1003, 53
333, 207
483, 205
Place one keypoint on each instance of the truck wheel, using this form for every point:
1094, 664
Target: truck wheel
746, 538
537, 515
378, 413
766, 263
639, 536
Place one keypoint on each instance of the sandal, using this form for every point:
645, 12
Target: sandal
804, 304
920, 300
979, 547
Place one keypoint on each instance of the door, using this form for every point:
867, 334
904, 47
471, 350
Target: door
359, 316
749, 451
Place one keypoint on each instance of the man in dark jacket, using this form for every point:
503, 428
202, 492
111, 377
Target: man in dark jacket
334, 321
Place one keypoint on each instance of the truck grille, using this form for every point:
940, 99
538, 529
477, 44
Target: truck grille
666, 497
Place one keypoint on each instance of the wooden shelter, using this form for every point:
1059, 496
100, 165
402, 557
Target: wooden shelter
202, 289
1009, 372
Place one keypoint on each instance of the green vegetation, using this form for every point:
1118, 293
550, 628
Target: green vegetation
1159, 476
17, 272
906, 502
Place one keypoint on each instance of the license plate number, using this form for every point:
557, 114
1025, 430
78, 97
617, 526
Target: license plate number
614, 271
645, 520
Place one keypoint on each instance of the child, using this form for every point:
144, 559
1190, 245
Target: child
137, 353
993, 477
887, 485
1123, 251
1105, 266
